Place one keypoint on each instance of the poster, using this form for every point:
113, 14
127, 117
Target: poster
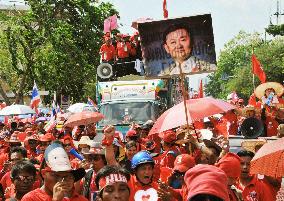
185, 43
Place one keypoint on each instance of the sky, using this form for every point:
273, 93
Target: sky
228, 16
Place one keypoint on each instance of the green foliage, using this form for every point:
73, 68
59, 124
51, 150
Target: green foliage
275, 29
56, 44
234, 65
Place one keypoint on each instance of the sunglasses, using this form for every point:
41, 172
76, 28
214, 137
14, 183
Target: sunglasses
32, 142
22, 178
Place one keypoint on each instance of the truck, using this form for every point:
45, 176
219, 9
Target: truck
124, 102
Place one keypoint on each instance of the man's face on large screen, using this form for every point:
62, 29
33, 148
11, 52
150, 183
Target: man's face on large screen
178, 45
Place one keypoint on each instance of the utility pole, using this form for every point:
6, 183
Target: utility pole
278, 14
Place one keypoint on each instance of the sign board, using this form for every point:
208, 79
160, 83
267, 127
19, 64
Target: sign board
120, 90
65, 102
186, 42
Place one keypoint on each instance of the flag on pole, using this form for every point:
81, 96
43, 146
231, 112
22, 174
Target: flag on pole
165, 10
252, 100
50, 124
110, 24
257, 69
35, 101
53, 108
200, 93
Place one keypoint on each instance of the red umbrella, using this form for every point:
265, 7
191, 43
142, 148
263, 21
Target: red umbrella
269, 159
196, 108
83, 118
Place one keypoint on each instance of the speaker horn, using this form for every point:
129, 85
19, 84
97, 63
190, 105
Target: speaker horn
252, 128
104, 70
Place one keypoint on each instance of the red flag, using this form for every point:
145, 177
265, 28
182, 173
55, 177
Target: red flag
166, 13
252, 100
200, 93
257, 69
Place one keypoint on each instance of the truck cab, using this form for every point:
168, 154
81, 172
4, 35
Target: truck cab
124, 102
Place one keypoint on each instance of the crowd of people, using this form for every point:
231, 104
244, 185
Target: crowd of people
63, 163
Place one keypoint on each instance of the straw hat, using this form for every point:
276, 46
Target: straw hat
280, 130
260, 90
249, 108
84, 140
250, 145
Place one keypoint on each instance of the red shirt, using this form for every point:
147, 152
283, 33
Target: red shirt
145, 192
108, 52
123, 50
6, 180
3, 158
232, 122
271, 126
167, 158
40, 195
257, 190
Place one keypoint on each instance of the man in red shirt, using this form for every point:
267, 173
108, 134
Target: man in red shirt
23, 175
16, 154
107, 51
141, 184
112, 183
253, 188
232, 122
170, 153
231, 165
58, 177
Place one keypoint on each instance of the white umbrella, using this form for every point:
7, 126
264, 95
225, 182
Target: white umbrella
80, 107
16, 110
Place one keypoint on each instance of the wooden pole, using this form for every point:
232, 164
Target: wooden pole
185, 106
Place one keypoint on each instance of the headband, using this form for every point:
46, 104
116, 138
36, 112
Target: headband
111, 179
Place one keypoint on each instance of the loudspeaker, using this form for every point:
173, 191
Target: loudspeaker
252, 128
104, 70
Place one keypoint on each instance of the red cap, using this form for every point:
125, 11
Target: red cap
131, 133
184, 162
206, 179
230, 164
168, 136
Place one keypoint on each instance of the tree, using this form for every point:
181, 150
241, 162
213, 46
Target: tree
275, 29
56, 44
74, 30
234, 65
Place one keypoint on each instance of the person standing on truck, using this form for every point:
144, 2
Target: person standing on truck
108, 51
